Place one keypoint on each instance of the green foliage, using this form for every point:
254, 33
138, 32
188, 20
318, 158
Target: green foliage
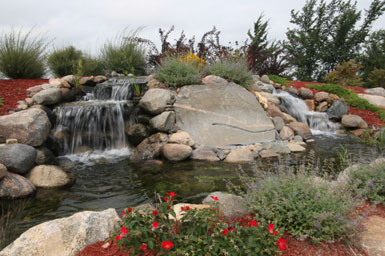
368, 183
236, 72
77, 72
278, 79
376, 78
176, 73
345, 74
374, 138
304, 206
61, 61
22, 55
326, 34
209, 235
92, 66
1, 102
124, 54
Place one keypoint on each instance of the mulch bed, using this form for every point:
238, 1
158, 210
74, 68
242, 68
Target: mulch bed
14, 90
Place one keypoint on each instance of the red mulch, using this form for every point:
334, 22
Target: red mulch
11, 91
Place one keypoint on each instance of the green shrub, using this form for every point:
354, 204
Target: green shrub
376, 78
345, 74
278, 79
61, 61
92, 66
124, 54
1, 102
176, 73
237, 72
305, 207
21, 55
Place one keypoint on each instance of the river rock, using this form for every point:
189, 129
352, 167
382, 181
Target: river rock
44, 156
267, 154
274, 111
57, 82
265, 79
379, 91
31, 91
176, 152
305, 93
286, 133
337, 110
15, 186
18, 158
222, 114
322, 106
271, 98
163, 122
87, 81
278, 123
294, 147
150, 147
155, 100
136, 133
65, 236
379, 101
48, 97
70, 79
204, 153
29, 126
99, 79
293, 91
301, 129
278, 147
154, 83
211, 79
353, 121
181, 137
228, 204
49, 176
241, 155
321, 96
373, 237
310, 104
298, 138
68, 95
3, 171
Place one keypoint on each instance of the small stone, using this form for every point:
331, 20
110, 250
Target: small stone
241, 155
321, 96
298, 138
15, 186
322, 107
11, 141
163, 122
29, 101
267, 154
359, 132
294, 147
181, 137
310, 141
353, 121
310, 104
211, 79
49, 176
301, 129
286, 133
3, 171
305, 93
278, 123
176, 152
22, 106
265, 79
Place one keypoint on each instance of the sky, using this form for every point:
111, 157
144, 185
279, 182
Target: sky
87, 24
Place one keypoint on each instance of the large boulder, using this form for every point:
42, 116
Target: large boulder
379, 91
65, 236
49, 176
337, 110
305, 93
163, 122
241, 155
155, 100
321, 96
204, 153
230, 205
373, 237
379, 101
15, 186
150, 147
353, 121
176, 152
49, 96
17, 158
30, 127
136, 133
301, 129
222, 114
181, 137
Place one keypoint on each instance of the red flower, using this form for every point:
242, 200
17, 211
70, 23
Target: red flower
129, 209
167, 245
231, 229
225, 231
171, 194
165, 198
124, 230
281, 244
253, 223
118, 237
155, 212
271, 229
215, 198
185, 208
154, 225
214, 209
143, 247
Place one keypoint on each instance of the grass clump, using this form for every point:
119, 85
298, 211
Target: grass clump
233, 71
176, 73
1, 102
304, 206
278, 79
22, 55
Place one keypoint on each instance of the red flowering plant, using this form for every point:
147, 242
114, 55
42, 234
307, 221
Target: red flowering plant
198, 232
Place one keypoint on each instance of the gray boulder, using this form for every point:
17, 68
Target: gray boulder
241, 155
353, 121
163, 122
286, 133
222, 114
49, 96
155, 100
15, 186
305, 93
181, 137
136, 133
176, 152
337, 110
204, 153
321, 96
376, 100
278, 123
49, 176
278, 147
30, 127
379, 91
265, 79
65, 236
301, 129
150, 147
228, 204
17, 158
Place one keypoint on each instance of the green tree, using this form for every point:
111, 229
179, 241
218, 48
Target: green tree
327, 34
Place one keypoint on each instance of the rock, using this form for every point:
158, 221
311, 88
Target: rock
278, 123
144, 119
288, 118
298, 138
373, 238
22, 106
301, 129
222, 114
136, 133
46, 86
87, 81
211, 79
66, 163
286, 133
44, 156
256, 78
154, 83
70, 79
99, 79
241, 155
265, 79
48, 97
30, 127
343, 177
11, 141
310, 104
254, 87
57, 82
274, 111
359, 132
293, 91
321, 96
3, 171
150, 147
33, 90
353, 121
18, 158
271, 98
294, 147
163, 122
29, 101
15, 186
68, 95
337, 110
176, 152
322, 107
379, 101
379, 91
49, 176
332, 98
181, 137
180, 213
155, 100
51, 115
375, 163
65, 236
278, 147
267, 154
305, 93
267, 88
204, 153
230, 205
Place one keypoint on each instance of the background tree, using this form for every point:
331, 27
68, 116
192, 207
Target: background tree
327, 34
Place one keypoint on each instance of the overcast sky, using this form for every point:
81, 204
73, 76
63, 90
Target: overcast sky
87, 24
